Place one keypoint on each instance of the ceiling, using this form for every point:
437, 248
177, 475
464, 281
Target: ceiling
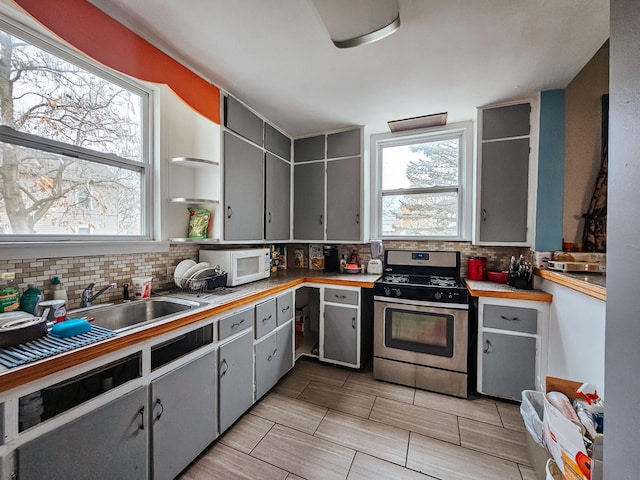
448, 55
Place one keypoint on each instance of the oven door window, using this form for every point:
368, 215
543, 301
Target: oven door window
422, 332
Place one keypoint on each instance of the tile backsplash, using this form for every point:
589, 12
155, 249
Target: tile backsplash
78, 272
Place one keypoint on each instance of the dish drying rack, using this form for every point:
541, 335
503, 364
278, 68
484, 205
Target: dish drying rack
201, 284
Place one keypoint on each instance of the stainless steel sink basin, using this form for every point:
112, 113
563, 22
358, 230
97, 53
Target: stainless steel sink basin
123, 316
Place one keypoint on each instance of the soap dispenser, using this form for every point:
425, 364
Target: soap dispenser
59, 292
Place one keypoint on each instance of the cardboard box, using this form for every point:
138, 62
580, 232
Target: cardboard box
316, 257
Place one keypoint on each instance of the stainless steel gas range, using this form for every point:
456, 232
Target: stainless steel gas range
421, 322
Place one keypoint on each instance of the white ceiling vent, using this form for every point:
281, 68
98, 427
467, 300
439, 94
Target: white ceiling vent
415, 123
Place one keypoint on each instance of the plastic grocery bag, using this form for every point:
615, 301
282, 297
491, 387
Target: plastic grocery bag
532, 411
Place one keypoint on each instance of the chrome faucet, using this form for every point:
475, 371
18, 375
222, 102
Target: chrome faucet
88, 296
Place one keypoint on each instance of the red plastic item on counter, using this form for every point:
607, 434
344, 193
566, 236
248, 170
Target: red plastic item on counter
477, 267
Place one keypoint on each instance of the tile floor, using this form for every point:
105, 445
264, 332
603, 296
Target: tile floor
323, 422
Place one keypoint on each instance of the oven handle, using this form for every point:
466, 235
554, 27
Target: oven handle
422, 303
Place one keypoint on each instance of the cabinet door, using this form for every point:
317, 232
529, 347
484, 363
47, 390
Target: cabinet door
243, 121
266, 364
504, 192
191, 417
277, 198
235, 379
266, 317
343, 144
110, 442
285, 350
284, 304
343, 199
308, 203
243, 189
340, 338
277, 142
310, 148
508, 365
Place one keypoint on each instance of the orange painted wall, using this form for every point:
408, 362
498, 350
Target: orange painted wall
102, 38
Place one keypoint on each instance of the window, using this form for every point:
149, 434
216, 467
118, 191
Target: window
423, 183
74, 159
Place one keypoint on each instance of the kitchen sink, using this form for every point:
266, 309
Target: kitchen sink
126, 315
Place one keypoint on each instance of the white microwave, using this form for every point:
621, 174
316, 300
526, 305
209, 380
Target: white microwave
242, 266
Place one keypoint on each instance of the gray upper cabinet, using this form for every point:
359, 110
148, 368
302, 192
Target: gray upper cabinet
243, 189
343, 144
277, 198
308, 201
109, 442
309, 148
277, 142
505, 161
243, 121
343, 199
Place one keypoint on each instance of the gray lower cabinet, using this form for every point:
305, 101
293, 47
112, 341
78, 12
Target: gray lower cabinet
340, 338
235, 379
243, 189
110, 442
343, 199
277, 194
184, 415
508, 365
274, 358
308, 202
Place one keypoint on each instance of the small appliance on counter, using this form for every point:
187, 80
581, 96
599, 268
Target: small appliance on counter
375, 264
241, 266
331, 258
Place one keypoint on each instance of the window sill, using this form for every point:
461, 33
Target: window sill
26, 250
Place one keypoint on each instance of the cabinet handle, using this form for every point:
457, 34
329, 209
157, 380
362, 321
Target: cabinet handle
358, 218
141, 413
321, 219
342, 297
159, 404
269, 221
237, 324
488, 347
510, 319
229, 212
484, 215
286, 308
353, 322
223, 364
272, 355
265, 320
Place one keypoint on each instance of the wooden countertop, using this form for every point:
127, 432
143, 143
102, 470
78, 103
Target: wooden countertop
592, 284
238, 296
502, 290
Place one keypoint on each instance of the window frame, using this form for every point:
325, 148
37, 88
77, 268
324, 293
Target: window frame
147, 240
465, 188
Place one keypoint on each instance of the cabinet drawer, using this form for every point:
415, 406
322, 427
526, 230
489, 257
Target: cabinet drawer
265, 317
235, 323
284, 304
516, 319
337, 295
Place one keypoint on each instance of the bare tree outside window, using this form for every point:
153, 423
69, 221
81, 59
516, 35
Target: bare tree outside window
71, 154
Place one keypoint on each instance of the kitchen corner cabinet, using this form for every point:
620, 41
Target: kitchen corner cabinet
340, 327
110, 442
328, 199
235, 378
243, 189
512, 346
277, 220
507, 158
183, 406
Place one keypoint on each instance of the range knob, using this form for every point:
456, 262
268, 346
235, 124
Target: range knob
437, 295
398, 292
387, 291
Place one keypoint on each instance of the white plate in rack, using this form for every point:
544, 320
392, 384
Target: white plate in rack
181, 269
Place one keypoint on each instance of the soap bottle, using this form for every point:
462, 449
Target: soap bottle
30, 299
343, 264
59, 292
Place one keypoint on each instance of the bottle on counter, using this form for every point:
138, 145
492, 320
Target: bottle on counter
9, 294
30, 299
343, 264
59, 292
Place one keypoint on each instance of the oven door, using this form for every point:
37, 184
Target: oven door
421, 333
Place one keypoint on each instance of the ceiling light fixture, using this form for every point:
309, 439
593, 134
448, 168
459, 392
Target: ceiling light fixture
358, 22
414, 123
